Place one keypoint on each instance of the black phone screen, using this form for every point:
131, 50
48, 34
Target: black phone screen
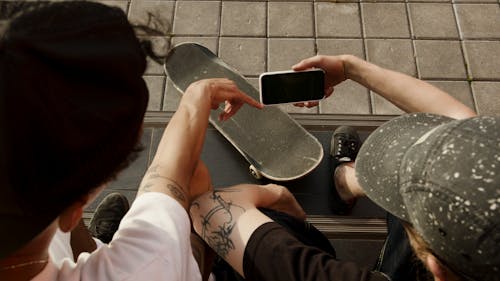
292, 86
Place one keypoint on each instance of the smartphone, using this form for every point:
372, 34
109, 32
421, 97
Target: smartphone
291, 86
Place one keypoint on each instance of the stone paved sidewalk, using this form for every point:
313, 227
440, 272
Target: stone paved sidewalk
454, 45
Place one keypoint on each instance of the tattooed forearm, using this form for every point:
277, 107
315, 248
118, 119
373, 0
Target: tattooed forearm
154, 181
217, 223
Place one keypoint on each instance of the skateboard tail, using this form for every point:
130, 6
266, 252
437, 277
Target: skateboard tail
178, 55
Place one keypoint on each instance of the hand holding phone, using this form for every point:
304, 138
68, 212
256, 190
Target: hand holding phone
291, 86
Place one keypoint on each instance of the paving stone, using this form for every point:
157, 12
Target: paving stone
290, 19
209, 42
171, 98
247, 55
348, 97
288, 0
197, 18
460, 90
123, 5
385, 20
381, 106
483, 59
395, 54
160, 47
155, 141
243, 18
254, 81
400, 1
475, 1
433, 20
479, 20
434, 1
440, 59
338, 20
487, 96
284, 53
155, 86
157, 15
340, 47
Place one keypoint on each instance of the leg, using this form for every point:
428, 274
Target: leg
203, 255
396, 258
302, 230
346, 183
81, 240
344, 148
102, 226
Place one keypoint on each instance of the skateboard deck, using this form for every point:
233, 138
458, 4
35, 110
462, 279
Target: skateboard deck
270, 140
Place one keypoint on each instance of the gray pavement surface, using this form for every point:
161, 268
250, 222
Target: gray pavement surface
455, 45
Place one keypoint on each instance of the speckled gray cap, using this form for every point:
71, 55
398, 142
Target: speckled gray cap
442, 176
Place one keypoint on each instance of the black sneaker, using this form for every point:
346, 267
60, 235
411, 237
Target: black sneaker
344, 148
345, 144
107, 216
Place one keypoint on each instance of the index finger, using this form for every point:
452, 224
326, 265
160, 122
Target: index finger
230, 92
250, 101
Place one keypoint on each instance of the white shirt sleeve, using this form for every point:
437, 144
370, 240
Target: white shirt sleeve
152, 243
60, 247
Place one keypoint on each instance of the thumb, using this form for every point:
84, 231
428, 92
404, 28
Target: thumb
306, 63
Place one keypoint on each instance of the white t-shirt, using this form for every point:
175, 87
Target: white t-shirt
60, 247
152, 243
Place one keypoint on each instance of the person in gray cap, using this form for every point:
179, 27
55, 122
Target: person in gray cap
437, 172
440, 176
72, 103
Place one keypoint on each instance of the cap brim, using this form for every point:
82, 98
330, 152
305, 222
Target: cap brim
379, 159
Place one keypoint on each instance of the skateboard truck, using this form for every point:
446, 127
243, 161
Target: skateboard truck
254, 172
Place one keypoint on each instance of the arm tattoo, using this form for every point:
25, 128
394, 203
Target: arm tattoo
151, 179
218, 233
177, 192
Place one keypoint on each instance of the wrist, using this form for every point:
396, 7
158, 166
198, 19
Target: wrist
349, 64
196, 94
358, 70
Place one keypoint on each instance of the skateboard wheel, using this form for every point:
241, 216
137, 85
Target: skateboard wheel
253, 171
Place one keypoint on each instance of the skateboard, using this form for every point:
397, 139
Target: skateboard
270, 140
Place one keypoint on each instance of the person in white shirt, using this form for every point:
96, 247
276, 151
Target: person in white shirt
72, 100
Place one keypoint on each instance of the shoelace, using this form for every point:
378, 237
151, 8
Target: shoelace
345, 147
